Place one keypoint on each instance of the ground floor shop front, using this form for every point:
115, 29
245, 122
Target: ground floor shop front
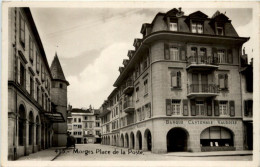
165, 134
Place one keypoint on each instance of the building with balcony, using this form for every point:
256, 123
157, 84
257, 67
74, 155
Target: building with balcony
33, 110
84, 125
182, 88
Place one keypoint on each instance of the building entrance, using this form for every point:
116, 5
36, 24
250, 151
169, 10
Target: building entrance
177, 140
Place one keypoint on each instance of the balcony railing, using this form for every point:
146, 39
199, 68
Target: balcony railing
203, 90
128, 106
128, 87
203, 60
200, 62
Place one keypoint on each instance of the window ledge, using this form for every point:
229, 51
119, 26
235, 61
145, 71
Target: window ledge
173, 88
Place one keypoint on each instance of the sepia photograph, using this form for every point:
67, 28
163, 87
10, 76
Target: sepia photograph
152, 84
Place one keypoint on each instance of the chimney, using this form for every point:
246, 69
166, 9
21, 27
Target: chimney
180, 9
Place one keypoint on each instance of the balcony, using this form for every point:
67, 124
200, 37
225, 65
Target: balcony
202, 63
128, 106
128, 87
202, 90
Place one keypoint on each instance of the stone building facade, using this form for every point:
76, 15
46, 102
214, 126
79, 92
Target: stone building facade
181, 88
31, 109
84, 125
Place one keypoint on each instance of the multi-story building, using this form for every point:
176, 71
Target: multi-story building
84, 125
181, 88
31, 109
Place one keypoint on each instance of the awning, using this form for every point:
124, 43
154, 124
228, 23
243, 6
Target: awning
55, 117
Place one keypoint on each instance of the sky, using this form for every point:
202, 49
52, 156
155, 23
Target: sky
91, 43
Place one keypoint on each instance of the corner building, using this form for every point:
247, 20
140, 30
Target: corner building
181, 88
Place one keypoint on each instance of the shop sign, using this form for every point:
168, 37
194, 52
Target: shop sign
201, 122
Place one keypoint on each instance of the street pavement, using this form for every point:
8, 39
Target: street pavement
97, 152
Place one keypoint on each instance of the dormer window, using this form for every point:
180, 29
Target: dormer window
220, 30
197, 28
173, 26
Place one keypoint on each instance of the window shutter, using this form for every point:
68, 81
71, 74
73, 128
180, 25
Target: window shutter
226, 81
193, 108
246, 108
216, 107
174, 79
178, 79
183, 53
185, 107
168, 107
232, 108
166, 51
209, 107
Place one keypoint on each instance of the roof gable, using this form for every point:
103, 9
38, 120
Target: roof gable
56, 69
198, 15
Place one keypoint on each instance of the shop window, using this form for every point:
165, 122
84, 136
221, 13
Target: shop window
216, 137
176, 79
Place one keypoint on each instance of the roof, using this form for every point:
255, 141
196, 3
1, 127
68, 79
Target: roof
56, 69
79, 110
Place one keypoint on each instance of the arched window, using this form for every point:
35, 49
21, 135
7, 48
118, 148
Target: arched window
216, 136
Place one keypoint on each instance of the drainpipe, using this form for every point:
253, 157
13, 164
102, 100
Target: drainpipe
15, 80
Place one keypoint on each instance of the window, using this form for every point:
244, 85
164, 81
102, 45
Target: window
75, 119
31, 49
97, 133
223, 81
86, 118
176, 79
145, 87
197, 28
203, 51
79, 119
38, 93
145, 63
248, 105
75, 133
137, 93
97, 124
22, 31
79, 133
176, 107
174, 53
61, 86
223, 108
173, 107
42, 100
22, 76
90, 125
148, 110
220, 30
37, 62
222, 58
194, 51
86, 125
43, 72
75, 126
200, 108
173, 26
79, 126
136, 71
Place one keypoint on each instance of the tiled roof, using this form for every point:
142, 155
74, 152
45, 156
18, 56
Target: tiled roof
56, 69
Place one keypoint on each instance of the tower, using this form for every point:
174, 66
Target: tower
59, 100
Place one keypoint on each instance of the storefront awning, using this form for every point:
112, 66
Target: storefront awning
55, 117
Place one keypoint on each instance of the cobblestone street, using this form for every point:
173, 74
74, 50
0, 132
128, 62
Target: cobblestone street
92, 152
